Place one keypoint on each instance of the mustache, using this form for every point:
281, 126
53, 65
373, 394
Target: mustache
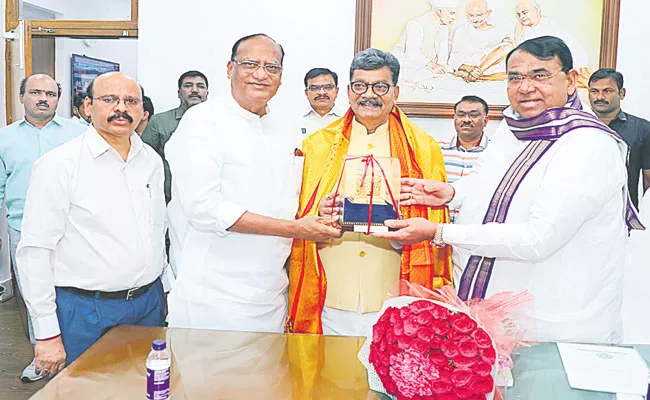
120, 115
323, 97
370, 102
601, 102
194, 95
466, 124
43, 103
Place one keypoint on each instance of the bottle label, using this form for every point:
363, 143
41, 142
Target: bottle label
158, 384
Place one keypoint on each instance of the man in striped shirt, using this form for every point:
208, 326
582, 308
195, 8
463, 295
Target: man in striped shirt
463, 149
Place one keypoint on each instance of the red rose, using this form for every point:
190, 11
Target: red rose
389, 385
411, 326
462, 323
482, 368
462, 393
404, 312
419, 306
447, 396
398, 328
390, 337
420, 346
425, 334
438, 358
440, 312
440, 327
482, 338
461, 378
488, 355
461, 362
380, 328
382, 370
436, 342
385, 317
444, 375
468, 348
403, 342
384, 358
441, 387
425, 318
482, 385
449, 348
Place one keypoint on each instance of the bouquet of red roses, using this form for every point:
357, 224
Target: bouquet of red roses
427, 349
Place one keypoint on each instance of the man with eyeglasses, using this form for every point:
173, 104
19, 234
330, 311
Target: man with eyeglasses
479, 47
21, 144
547, 210
192, 90
338, 286
92, 251
321, 90
237, 168
464, 148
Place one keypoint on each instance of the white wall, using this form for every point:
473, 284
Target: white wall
122, 51
87, 9
633, 57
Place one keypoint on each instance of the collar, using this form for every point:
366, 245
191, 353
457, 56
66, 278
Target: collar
358, 127
334, 111
241, 111
98, 145
56, 119
180, 111
621, 116
454, 143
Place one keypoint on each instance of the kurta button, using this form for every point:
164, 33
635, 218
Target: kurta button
362, 254
371, 146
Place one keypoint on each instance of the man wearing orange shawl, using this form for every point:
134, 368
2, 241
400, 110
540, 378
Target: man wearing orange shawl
362, 268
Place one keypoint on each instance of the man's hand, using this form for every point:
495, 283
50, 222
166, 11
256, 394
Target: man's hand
325, 208
474, 73
316, 229
425, 192
50, 356
436, 68
412, 230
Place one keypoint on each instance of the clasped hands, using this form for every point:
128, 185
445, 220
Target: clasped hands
469, 73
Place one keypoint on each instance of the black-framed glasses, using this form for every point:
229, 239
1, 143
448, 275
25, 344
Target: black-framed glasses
316, 88
252, 66
114, 100
378, 88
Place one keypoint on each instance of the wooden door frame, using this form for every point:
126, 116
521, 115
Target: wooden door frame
57, 28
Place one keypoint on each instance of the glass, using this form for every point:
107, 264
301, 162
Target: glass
366, 182
119, 10
536, 79
315, 88
252, 66
114, 100
472, 114
378, 88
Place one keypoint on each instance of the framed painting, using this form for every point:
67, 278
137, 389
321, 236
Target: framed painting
451, 48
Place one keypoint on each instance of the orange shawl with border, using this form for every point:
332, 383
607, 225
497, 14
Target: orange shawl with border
325, 151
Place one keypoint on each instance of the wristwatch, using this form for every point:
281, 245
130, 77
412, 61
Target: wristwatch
437, 238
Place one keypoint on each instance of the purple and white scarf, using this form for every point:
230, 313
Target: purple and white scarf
541, 131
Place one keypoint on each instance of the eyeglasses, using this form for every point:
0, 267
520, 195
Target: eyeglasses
536, 79
316, 88
378, 88
471, 114
253, 66
114, 100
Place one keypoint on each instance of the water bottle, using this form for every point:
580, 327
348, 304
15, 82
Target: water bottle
159, 362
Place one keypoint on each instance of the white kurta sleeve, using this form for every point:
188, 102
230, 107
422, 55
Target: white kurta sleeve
196, 166
585, 172
46, 208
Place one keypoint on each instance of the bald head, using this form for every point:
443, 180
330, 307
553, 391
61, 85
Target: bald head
529, 12
478, 13
39, 94
115, 103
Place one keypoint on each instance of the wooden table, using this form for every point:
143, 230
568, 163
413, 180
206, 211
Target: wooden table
217, 365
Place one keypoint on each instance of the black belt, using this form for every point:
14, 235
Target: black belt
128, 294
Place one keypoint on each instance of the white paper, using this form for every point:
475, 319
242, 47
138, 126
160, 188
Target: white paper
604, 368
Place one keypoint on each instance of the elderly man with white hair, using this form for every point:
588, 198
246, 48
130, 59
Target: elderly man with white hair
423, 48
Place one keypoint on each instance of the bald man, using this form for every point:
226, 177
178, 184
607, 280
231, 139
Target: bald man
93, 247
22, 143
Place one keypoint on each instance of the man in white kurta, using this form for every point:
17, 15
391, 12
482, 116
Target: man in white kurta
237, 172
564, 236
423, 48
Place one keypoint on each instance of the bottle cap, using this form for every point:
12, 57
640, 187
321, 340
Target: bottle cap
159, 344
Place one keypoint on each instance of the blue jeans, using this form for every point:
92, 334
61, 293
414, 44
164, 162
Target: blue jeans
83, 320
14, 238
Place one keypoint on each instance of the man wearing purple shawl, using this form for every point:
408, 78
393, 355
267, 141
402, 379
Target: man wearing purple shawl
546, 209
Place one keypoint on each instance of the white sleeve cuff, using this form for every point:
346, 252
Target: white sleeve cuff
46, 327
453, 234
227, 215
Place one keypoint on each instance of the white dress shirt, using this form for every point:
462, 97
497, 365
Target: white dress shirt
92, 221
564, 238
226, 161
311, 121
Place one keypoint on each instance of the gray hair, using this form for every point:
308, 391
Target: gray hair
371, 59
